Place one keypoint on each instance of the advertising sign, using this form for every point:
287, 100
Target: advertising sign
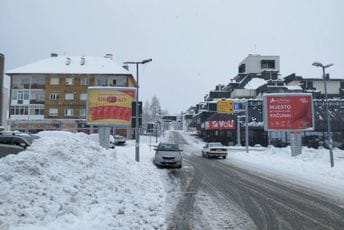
220, 125
110, 106
225, 106
288, 112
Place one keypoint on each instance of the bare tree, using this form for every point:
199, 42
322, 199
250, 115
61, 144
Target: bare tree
147, 115
155, 108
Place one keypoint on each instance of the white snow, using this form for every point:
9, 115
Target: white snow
64, 181
255, 83
57, 65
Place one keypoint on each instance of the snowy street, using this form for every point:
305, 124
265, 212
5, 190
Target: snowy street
66, 181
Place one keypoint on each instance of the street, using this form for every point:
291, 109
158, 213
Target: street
218, 195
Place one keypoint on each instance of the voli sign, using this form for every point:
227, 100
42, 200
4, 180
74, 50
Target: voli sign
288, 112
220, 125
110, 106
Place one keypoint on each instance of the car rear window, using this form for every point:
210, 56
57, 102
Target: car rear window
168, 147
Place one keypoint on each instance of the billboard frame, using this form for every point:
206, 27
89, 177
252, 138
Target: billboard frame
114, 91
265, 111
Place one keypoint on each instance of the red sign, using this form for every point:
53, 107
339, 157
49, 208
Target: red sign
221, 125
288, 112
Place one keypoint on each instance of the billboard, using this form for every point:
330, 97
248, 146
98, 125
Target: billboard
220, 125
288, 112
225, 106
110, 106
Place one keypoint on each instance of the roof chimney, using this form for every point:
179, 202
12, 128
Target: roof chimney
68, 60
108, 56
53, 55
83, 59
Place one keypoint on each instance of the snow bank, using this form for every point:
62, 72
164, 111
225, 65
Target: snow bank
65, 181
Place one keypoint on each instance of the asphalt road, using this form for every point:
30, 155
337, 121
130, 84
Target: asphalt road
215, 195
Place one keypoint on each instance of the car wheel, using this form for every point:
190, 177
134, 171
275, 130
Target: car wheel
224, 157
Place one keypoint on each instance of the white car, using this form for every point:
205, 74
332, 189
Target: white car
215, 149
119, 140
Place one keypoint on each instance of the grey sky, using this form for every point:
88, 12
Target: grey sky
194, 44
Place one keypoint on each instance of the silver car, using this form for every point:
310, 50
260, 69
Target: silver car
13, 144
168, 155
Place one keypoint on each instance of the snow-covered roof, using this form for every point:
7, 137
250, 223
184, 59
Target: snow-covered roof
255, 83
72, 65
293, 87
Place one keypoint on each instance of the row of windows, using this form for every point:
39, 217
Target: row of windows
86, 81
68, 96
67, 112
69, 81
24, 95
24, 110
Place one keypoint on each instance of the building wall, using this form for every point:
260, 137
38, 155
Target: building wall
253, 63
332, 86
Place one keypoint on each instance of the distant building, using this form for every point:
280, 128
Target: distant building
258, 75
51, 94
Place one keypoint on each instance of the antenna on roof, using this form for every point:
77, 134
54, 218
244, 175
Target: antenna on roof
68, 60
83, 59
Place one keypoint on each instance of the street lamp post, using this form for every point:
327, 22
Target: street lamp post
329, 133
137, 136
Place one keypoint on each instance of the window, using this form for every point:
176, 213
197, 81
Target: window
84, 81
19, 110
69, 96
54, 81
309, 85
242, 68
342, 84
54, 96
82, 112
101, 82
68, 112
268, 64
69, 81
36, 111
53, 112
83, 96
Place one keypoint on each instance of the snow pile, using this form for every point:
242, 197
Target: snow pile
65, 181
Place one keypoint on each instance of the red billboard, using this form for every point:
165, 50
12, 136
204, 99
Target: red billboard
220, 125
288, 112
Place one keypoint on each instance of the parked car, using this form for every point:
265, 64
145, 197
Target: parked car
168, 155
215, 149
13, 144
312, 141
119, 140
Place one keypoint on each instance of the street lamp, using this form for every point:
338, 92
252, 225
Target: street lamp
137, 136
329, 134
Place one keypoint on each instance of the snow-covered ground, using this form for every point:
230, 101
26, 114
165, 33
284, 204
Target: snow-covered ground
310, 169
65, 181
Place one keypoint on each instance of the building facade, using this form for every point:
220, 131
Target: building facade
52, 94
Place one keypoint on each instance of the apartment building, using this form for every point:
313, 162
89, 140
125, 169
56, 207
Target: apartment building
51, 94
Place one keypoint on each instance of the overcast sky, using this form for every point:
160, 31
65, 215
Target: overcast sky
194, 44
